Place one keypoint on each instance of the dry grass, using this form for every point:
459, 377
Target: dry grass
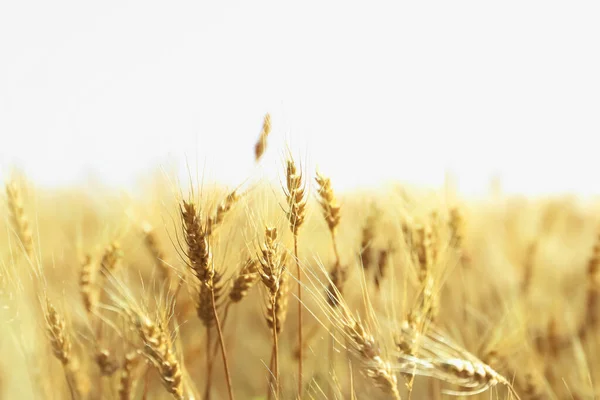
401, 293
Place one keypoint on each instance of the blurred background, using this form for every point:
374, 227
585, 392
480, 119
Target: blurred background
369, 92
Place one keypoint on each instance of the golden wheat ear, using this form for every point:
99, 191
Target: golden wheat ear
18, 217
331, 214
60, 342
244, 281
261, 144
223, 208
434, 354
88, 291
158, 350
353, 334
365, 347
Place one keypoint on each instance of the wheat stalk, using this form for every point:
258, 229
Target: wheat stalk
200, 261
337, 276
272, 275
296, 201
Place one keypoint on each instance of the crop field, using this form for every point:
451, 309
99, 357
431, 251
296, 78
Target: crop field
293, 290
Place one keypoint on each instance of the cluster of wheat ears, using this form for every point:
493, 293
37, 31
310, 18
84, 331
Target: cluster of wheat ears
281, 293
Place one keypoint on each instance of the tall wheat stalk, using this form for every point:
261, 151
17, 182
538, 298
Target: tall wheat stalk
200, 261
296, 201
337, 276
274, 278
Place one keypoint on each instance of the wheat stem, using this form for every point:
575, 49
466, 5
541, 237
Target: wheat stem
223, 352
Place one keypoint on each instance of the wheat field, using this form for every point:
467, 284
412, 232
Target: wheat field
289, 290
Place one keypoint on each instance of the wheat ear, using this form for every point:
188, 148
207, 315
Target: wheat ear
19, 217
158, 350
261, 144
223, 208
61, 346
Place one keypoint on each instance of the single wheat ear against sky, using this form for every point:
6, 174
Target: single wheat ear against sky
369, 92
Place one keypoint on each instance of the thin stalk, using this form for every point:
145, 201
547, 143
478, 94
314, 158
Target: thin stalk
208, 366
335, 248
331, 342
300, 351
225, 314
224, 354
101, 386
352, 393
331, 364
275, 355
70, 383
270, 384
146, 384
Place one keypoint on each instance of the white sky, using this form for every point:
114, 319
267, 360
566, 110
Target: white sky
369, 91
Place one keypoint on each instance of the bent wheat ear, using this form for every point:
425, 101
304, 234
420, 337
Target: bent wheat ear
244, 281
364, 345
223, 208
434, 355
158, 350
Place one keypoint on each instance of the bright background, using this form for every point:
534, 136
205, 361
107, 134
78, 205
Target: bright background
369, 91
